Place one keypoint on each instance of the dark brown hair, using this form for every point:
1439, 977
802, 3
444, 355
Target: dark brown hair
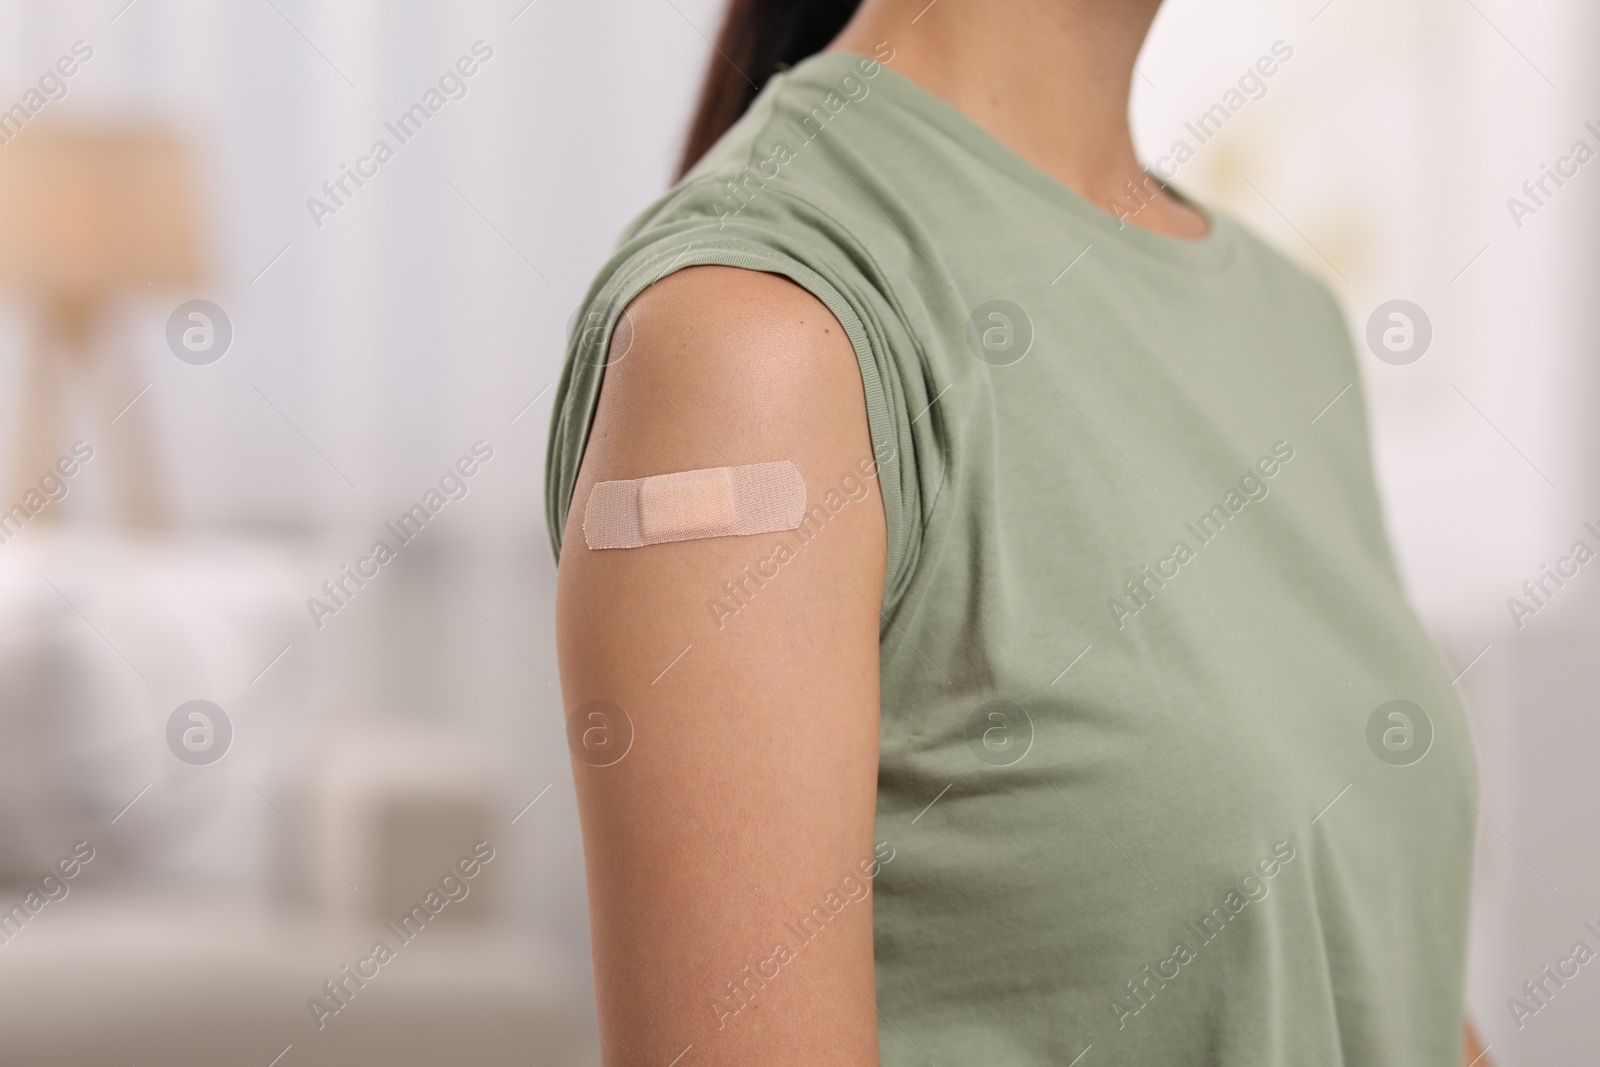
758, 38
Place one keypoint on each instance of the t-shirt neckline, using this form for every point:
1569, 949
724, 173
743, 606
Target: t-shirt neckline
1206, 251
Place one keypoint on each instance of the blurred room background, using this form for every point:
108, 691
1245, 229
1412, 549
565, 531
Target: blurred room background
228, 369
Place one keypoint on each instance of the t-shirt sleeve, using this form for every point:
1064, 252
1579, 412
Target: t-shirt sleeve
801, 249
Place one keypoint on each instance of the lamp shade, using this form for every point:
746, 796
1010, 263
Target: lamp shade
87, 211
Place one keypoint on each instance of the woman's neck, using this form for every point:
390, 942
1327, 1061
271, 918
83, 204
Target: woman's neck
1047, 78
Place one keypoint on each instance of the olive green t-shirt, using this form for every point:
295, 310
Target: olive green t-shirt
1170, 771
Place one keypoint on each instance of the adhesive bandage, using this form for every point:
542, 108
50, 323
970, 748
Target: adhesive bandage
714, 502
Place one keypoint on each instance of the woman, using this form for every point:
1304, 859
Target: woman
1064, 727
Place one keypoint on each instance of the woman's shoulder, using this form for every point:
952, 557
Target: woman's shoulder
788, 172
1302, 280
801, 293
773, 197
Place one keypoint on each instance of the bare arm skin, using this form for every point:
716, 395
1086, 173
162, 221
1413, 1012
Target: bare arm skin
749, 791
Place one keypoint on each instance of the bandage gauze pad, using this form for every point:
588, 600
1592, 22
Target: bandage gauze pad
714, 502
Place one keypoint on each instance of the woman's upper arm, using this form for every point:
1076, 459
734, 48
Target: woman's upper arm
728, 850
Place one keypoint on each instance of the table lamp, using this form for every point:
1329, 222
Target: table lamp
91, 214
